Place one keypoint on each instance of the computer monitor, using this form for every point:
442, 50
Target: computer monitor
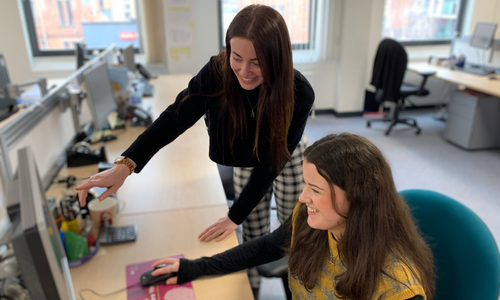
484, 35
80, 55
4, 74
100, 96
35, 236
128, 55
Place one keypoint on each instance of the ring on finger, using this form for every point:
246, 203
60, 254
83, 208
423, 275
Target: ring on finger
171, 269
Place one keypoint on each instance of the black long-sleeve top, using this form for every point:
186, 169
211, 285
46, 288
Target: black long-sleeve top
250, 254
178, 117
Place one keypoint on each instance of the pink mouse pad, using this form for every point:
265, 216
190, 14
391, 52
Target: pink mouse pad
157, 292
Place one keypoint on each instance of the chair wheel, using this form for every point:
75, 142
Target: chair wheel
418, 131
368, 124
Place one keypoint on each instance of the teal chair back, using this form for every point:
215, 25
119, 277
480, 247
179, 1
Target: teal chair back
466, 257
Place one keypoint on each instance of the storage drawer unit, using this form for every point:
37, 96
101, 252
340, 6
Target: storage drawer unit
473, 121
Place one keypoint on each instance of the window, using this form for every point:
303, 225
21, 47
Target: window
60, 13
69, 13
422, 21
301, 16
97, 23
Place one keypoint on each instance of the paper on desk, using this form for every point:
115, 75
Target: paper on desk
158, 292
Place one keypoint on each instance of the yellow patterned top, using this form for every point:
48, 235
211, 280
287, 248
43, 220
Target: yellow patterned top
387, 288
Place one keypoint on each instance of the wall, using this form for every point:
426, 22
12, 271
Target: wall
13, 45
485, 11
205, 28
154, 26
339, 81
353, 62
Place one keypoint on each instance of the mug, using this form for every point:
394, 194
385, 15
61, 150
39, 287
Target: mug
104, 212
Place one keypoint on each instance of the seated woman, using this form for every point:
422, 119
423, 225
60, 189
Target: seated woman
350, 236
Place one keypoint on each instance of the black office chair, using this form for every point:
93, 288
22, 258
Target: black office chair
387, 77
226, 176
277, 269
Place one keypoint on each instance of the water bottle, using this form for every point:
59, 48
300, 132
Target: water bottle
136, 97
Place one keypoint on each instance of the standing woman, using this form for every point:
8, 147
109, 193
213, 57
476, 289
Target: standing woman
256, 107
351, 236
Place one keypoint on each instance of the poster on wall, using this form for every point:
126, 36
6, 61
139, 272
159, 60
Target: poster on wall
180, 30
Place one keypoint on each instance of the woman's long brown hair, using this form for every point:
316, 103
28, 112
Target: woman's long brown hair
267, 31
378, 223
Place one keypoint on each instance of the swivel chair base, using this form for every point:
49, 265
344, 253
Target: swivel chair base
396, 120
410, 122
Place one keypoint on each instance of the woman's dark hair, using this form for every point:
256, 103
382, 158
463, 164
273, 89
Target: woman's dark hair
378, 223
267, 31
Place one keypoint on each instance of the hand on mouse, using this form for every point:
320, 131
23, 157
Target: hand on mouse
112, 179
172, 267
222, 227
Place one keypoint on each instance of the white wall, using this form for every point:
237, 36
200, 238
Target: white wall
207, 32
485, 11
206, 35
354, 31
354, 55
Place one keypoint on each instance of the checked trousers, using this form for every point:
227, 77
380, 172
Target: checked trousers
286, 188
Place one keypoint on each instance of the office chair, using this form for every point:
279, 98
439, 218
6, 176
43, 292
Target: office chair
466, 257
226, 176
388, 72
278, 269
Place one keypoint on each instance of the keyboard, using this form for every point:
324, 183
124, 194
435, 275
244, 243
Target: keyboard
117, 235
475, 71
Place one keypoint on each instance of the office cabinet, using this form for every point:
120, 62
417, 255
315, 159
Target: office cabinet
473, 121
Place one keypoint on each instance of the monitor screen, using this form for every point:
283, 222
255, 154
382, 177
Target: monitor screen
100, 96
128, 55
4, 75
484, 34
35, 237
80, 54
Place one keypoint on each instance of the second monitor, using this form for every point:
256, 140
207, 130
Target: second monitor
100, 95
484, 35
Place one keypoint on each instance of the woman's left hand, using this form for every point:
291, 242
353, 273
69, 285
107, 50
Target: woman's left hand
223, 227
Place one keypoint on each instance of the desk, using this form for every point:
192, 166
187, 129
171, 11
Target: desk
177, 195
473, 82
473, 120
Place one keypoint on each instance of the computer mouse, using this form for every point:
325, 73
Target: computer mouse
147, 279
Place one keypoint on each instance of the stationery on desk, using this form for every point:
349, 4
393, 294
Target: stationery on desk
149, 209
